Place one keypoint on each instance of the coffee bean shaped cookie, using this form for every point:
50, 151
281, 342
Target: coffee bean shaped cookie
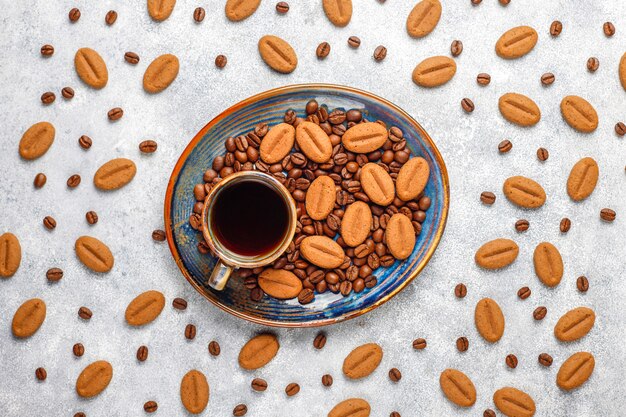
238, 10
575, 371
516, 42
457, 387
423, 18
582, 179
622, 70
258, 351
524, 192
489, 320
412, 178
519, 109
575, 324
144, 308
114, 174
91, 68
320, 198
362, 361
497, 254
160, 73
94, 379
277, 143
280, 284
377, 184
94, 254
352, 407
160, 10
579, 114
434, 71
514, 403
400, 236
194, 391
28, 318
278, 54
356, 223
339, 12
10, 255
365, 137
548, 264
36, 140
322, 251
314, 142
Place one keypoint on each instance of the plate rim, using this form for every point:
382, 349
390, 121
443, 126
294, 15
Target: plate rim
267, 94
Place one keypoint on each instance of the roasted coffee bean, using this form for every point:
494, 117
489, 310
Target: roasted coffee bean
556, 28
542, 154
523, 293
179, 304
419, 343
487, 197
142, 353
85, 142
462, 344
467, 105
565, 225
74, 15
476, 2
54, 274
49, 222
395, 375
158, 235
460, 291
259, 384
150, 406
456, 48
582, 283
115, 113
48, 97
47, 50
78, 349
379, 54
483, 78
67, 93
292, 389
607, 214
306, 296
547, 78
282, 7
131, 58
323, 49
240, 410
511, 361
354, 42
84, 313
80, 414
505, 146
214, 348
110, 17
545, 359
41, 374
593, 64
504, 2
320, 340
148, 146
345, 288
609, 29
190, 332
91, 217
522, 225
311, 107
327, 380
540, 313
489, 413
198, 14
394, 413
620, 128
40, 180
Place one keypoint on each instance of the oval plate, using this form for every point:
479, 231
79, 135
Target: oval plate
269, 107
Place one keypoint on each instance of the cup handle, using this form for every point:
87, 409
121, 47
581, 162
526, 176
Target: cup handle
219, 276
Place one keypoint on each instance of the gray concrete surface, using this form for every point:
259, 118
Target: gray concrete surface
427, 308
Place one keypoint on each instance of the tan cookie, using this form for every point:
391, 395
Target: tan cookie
10, 255
91, 68
579, 114
365, 137
524, 192
144, 308
339, 12
28, 318
352, 407
94, 379
514, 403
258, 351
622, 70
160, 10
36, 140
320, 198
278, 54
314, 142
548, 264
457, 387
423, 18
412, 178
489, 320
194, 391
94, 254
280, 284
277, 143
516, 42
496, 254
519, 109
377, 184
356, 223
160, 73
575, 371
434, 71
322, 251
238, 10
400, 236
115, 174
575, 324
362, 361
582, 179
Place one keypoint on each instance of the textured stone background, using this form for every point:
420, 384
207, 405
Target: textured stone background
427, 308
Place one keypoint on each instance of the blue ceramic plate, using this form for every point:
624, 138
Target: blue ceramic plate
270, 107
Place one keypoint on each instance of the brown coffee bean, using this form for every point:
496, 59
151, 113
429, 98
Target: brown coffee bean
41, 374
476, 2
327, 380
190, 332
609, 29
306, 296
540, 313
393, 413
220, 61
259, 384
49, 222
73, 181
67, 93
511, 361
40, 180
282, 7
489, 413
198, 14
547, 78
467, 105
92, 217
419, 343
545, 359
542, 154
620, 128
607, 214
47, 50
582, 283
505, 146
460, 291
148, 146
292, 389
78, 349
504, 2
84, 313
179, 304
462, 344
565, 225
483, 78
522, 225
110, 17
354, 42
240, 410
487, 198
456, 48
395, 375
556, 28
74, 15
380, 53
80, 414
320, 340
85, 142
142, 353
54, 274
523, 293
158, 235
593, 64
131, 58
323, 49
115, 113
214, 348
150, 406
48, 97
